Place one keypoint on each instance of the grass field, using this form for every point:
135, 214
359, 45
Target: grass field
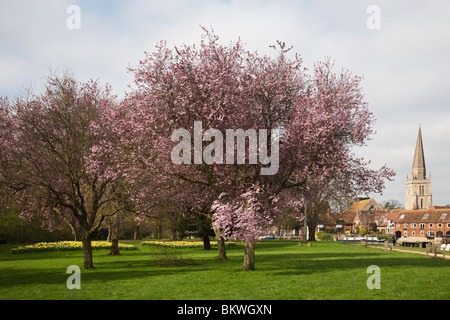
284, 270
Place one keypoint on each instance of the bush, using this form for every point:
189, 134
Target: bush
387, 238
324, 236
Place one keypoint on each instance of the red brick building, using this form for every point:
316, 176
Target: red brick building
433, 222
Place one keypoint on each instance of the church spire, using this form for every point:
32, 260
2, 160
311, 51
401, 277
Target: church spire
418, 167
418, 188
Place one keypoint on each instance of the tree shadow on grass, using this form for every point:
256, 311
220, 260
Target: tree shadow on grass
116, 271
127, 265
310, 263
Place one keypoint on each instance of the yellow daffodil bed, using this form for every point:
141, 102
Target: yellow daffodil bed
77, 245
68, 245
180, 244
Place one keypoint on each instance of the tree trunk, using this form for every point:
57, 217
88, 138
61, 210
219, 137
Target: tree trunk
160, 231
87, 251
108, 238
220, 244
305, 225
221, 248
312, 234
206, 242
114, 236
137, 232
74, 232
249, 256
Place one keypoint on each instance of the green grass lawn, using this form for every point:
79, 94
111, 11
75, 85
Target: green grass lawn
284, 270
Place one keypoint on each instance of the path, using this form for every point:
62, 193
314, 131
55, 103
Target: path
439, 255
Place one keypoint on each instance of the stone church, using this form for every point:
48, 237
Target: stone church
418, 186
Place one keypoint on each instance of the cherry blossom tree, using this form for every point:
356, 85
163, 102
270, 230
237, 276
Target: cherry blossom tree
313, 118
44, 160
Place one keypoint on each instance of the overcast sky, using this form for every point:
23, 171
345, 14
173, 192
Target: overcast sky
401, 47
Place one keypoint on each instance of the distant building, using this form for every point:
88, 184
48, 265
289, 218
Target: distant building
362, 214
418, 186
365, 212
431, 223
331, 221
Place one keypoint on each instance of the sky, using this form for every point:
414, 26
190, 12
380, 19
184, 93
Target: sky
401, 48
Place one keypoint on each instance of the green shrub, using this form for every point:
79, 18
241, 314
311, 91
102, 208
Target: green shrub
324, 236
387, 238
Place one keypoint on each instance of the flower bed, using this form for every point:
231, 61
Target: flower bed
67, 246
180, 244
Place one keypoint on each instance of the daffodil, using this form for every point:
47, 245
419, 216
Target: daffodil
68, 245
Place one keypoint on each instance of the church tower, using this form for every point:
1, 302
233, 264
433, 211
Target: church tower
418, 187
